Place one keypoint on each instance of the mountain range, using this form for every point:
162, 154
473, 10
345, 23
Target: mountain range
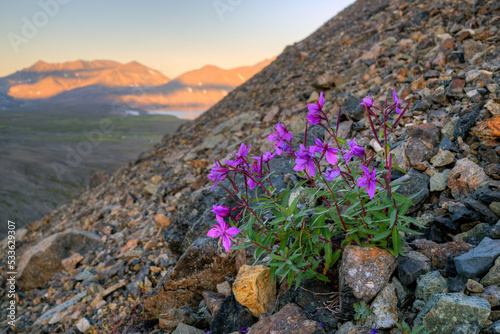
123, 86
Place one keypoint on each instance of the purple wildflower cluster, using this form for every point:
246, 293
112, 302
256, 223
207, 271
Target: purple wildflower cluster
329, 162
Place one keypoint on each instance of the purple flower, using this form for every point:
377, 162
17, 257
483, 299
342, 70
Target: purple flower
243, 330
316, 107
325, 149
321, 324
279, 136
220, 212
305, 160
367, 101
354, 149
217, 173
242, 153
255, 170
268, 156
224, 233
314, 116
284, 148
368, 181
396, 100
331, 174
374, 331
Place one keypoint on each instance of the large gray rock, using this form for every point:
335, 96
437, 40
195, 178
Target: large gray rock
453, 313
40, 262
44, 318
429, 284
479, 260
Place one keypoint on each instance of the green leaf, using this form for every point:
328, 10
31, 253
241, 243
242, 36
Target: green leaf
393, 217
396, 244
382, 235
322, 277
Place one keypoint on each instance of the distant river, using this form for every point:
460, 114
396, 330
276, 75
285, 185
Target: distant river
179, 114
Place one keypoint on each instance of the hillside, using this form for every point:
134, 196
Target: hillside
146, 265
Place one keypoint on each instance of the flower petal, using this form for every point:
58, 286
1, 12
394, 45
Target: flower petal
226, 242
233, 231
214, 233
321, 100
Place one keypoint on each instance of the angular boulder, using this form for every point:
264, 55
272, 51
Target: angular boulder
364, 272
479, 260
254, 289
40, 262
453, 313
291, 319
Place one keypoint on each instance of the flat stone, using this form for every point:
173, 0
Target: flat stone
213, 300
412, 268
83, 325
465, 178
40, 262
429, 284
440, 254
453, 313
491, 294
443, 158
59, 308
186, 329
364, 271
438, 181
353, 108
493, 107
478, 260
385, 308
493, 275
474, 286
254, 289
290, 319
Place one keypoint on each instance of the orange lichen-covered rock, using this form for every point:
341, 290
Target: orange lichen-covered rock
254, 289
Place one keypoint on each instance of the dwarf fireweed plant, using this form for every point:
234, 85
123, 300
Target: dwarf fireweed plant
349, 196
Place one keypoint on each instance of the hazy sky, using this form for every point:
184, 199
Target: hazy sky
172, 36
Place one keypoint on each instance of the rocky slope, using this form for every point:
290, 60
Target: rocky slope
131, 254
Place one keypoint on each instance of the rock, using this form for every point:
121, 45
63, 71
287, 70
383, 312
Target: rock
291, 319
416, 265
418, 151
70, 262
231, 317
271, 114
474, 286
198, 269
151, 189
404, 294
44, 318
429, 284
254, 289
212, 141
491, 294
385, 308
186, 329
352, 107
313, 98
494, 328
162, 220
493, 170
416, 182
418, 84
173, 317
475, 235
478, 260
438, 181
325, 81
442, 159
213, 300
224, 288
465, 178
453, 313
98, 178
493, 275
493, 107
40, 262
440, 254
449, 128
83, 325
364, 271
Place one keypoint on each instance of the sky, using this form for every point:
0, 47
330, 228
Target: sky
172, 36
